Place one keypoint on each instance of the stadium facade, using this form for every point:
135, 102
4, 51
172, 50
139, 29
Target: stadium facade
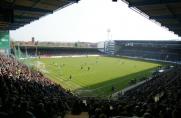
160, 50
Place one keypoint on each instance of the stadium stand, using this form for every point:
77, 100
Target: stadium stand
163, 12
160, 50
157, 50
24, 90
159, 97
55, 51
27, 93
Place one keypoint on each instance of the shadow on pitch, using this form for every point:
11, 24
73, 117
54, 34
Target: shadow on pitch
105, 88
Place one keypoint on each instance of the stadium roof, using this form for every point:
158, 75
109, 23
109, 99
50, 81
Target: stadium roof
166, 12
17, 13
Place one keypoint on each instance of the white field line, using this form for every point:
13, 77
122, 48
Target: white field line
91, 90
41, 66
78, 86
56, 76
82, 83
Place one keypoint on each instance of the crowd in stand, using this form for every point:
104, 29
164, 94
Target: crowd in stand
58, 51
26, 93
159, 97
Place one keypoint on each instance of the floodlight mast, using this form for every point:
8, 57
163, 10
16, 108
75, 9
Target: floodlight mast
108, 33
18, 50
26, 52
36, 51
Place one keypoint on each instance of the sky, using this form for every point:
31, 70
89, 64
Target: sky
93, 21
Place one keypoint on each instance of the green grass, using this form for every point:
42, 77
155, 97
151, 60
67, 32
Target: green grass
104, 73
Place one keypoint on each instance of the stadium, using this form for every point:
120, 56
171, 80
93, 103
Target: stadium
107, 79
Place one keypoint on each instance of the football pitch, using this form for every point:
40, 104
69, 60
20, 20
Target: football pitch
94, 76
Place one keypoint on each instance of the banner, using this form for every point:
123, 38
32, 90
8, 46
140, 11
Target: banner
4, 40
